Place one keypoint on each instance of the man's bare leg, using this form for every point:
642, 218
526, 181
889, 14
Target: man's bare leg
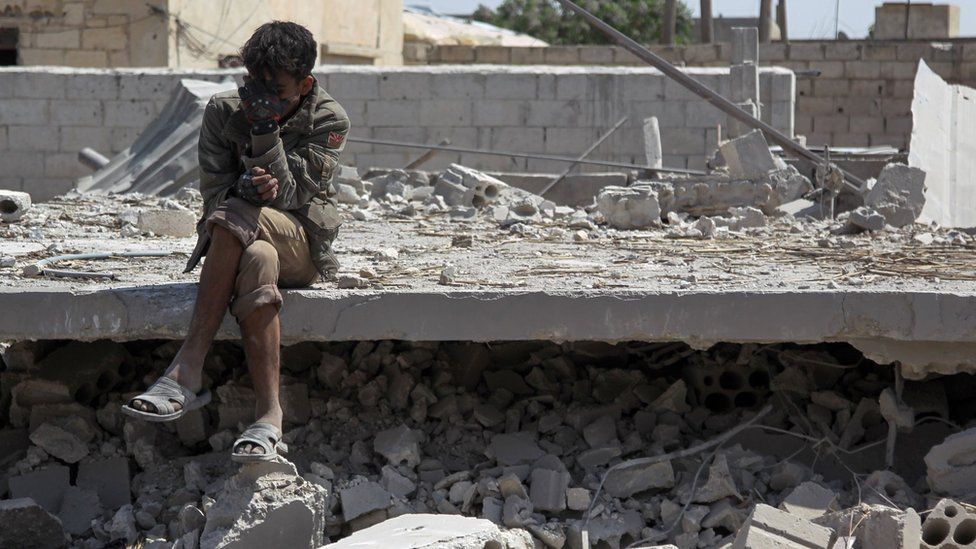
213, 295
261, 333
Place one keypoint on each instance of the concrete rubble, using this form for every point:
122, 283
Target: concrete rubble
399, 433
13, 205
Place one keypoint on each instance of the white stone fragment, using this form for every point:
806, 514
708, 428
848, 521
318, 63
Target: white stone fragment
629, 207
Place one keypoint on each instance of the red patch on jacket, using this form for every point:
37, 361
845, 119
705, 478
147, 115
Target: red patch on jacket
335, 140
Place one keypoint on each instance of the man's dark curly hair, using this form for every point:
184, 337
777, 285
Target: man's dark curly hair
280, 46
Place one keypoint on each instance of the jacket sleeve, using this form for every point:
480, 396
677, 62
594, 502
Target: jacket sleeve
307, 169
219, 166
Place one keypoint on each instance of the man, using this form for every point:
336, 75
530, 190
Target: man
267, 154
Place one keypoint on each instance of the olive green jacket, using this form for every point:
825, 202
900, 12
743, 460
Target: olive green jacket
303, 159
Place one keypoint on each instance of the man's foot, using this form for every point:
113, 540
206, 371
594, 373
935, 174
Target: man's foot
246, 447
259, 442
190, 378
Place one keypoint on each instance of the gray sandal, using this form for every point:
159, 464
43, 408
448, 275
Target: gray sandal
265, 435
163, 394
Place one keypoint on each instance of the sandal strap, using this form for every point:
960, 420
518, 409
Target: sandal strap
265, 435
164, 393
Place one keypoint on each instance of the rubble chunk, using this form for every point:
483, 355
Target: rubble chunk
898, 194
13, 205
398, 445
809, 500
768, 527
362, 498
425, 531
633, 207
866, 219
59, 443
627, 481
45, 486
548, 490
109, 478
24, 523
178, 223
950, 466
748, 157
78, 508
514, 448
948, 525
266, 505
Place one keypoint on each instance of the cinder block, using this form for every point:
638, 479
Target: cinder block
832, 88
500, 113
496, 55
682, 141
898, 125
449, 86
122, 138
806, 52
454, 54
529, 56
572, 141
770, 527
879, 52
24, 112
92, 86
145, 86
43, 189
862, 70
891, 106
701, 54
670, 115
641, 87
417, 134
898, 70
86, 58
52, 39
445, 112
703, 115
45, 486
596, 55
39, 57
829, 69
782, 116
129, 114
392, 113
33, 138
574, 87
745, 45
511, 86
842, 51
831, 124
773, 52
73, 139
110, 478
517, 139
562, 55
867, 124
38, 85
77, 113
868, 87
21, 164
64, 165
562, 114
403, 85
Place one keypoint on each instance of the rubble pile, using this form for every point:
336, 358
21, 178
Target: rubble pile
545, 444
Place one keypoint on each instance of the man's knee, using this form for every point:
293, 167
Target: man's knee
237, 218
257, 280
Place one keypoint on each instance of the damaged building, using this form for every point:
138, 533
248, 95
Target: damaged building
605, 311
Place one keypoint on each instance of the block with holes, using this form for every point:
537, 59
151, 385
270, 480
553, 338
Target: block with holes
949, 526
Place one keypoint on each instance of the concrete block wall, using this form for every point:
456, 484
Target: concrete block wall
861, 98
47, 115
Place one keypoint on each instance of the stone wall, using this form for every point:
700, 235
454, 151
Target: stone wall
48, 115
861, 98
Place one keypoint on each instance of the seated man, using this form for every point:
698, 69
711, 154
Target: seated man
267, 154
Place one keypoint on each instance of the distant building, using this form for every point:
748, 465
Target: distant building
723, 28
189, 33
927, 21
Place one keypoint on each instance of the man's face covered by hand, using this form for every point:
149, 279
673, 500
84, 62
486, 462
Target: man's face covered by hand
284, 87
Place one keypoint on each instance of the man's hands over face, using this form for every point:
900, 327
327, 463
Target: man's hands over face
258, 187
262, 106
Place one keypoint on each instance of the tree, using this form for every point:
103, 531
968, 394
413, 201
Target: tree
547, 20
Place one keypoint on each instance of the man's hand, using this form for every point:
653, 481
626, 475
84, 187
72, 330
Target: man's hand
262, 107
257, 187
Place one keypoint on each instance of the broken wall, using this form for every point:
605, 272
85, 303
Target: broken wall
862, 96
48, 114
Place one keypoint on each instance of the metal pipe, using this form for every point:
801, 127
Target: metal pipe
553, 158
583, 156
708, 94
92, 158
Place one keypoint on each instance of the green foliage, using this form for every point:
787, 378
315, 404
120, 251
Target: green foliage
546, 20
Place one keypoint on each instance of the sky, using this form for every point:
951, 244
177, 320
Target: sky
808, 18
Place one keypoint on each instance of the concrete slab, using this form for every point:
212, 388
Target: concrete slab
421, 531
802, 286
